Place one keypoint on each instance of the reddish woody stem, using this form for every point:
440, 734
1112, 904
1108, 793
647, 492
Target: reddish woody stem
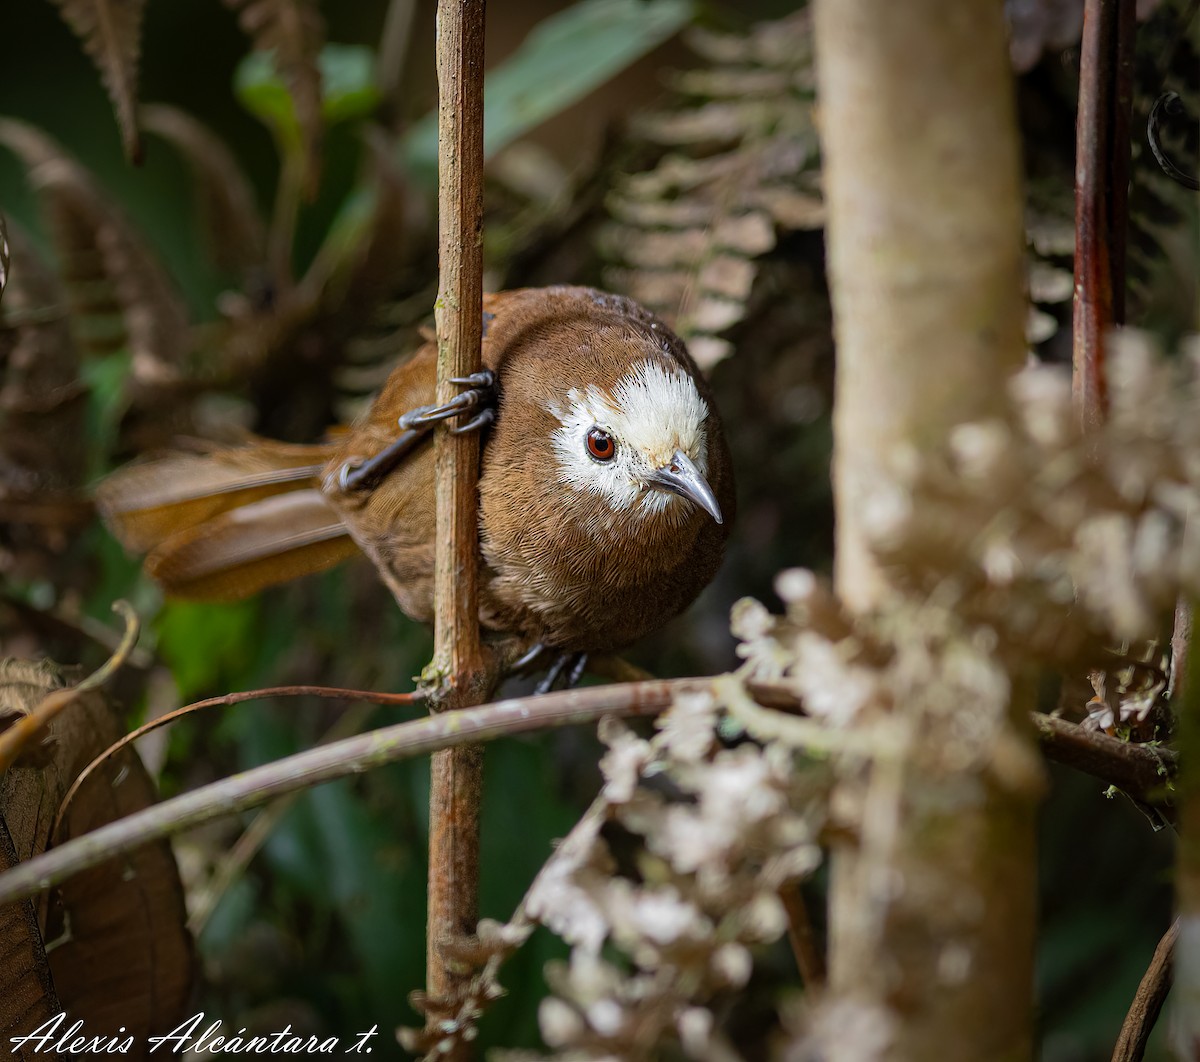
1147, 1001
1101, 198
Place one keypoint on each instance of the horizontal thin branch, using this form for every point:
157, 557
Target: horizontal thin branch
337, 760
1142, 771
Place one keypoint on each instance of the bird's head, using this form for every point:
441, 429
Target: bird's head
641, 445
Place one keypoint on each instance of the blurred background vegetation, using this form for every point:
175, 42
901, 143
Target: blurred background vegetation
322, 926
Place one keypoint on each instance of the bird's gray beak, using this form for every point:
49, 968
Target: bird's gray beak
680, 476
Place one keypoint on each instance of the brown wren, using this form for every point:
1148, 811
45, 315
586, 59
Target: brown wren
605, 488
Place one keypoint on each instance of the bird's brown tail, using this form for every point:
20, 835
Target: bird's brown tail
225, 524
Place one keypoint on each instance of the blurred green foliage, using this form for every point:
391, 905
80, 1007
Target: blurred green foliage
347, 89
566, 57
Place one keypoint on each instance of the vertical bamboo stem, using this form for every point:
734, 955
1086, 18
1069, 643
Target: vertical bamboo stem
457, 773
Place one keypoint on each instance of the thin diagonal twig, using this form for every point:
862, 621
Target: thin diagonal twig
1147, 1001
224, 700
326, 763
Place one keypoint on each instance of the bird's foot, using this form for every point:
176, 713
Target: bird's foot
479, 401
567, 667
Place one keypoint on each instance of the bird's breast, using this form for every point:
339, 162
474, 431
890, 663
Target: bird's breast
579, 576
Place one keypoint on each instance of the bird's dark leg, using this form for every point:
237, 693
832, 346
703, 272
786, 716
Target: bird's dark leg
577, 670
479, 399
573, 664
567, 666
365, 475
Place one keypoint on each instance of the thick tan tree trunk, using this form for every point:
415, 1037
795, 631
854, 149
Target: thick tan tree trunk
932, 910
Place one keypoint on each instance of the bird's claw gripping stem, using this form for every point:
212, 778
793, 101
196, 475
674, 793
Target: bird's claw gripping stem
480, 395
479, 399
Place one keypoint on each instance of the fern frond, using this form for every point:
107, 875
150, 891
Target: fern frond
43, 454
737, 165
111, 33
120, 294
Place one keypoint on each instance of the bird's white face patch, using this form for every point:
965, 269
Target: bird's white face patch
652, 412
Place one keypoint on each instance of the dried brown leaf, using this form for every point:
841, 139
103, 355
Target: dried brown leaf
120, 293
122, 954
1051, 233
791, 208
111, 32
27, 998
656, 250
715, 82
767, 44
1049, 284
722, 121
728, 276
39, 370
658, 213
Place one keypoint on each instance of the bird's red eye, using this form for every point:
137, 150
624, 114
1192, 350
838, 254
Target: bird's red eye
600, 444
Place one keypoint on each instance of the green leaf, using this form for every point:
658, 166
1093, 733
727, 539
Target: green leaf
202, 642
262, 92
347, 89
106, 379
564, 58
339, 855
